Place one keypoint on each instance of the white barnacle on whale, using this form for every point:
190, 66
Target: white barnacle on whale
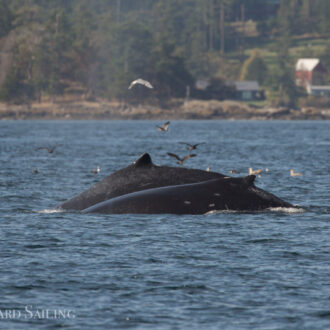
187, 202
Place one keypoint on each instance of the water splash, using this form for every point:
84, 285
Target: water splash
287, 209
290, 210
47, 211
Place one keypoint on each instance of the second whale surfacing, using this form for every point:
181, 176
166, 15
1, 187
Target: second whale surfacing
237, 194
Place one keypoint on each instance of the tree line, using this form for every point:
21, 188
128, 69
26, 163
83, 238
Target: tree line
95, 48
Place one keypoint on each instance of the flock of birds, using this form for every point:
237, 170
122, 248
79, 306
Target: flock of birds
164, 128
190, 147
180, 160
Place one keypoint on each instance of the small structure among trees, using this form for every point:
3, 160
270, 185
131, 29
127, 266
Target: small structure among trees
319, 91
310, 74
309, 71
248, 90
218, 89
214, 88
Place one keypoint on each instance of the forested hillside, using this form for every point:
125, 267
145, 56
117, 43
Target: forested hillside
93, 49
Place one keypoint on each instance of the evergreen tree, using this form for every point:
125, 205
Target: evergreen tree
83, 51
124, 55
99, 46
324, 14
254, 68
6, 18
169, 71
282, 82
53, 60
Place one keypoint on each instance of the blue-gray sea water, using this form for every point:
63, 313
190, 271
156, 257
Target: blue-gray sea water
263, 270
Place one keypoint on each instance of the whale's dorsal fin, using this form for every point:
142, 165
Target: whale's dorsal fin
248, 180
143, 160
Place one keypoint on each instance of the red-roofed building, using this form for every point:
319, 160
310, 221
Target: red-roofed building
309, 71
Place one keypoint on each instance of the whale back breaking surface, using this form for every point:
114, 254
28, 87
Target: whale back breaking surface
195, 198
140, 175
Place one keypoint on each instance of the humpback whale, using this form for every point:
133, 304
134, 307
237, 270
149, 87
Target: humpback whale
226, 193
142, 174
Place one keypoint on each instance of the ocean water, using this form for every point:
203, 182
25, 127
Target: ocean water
229, 270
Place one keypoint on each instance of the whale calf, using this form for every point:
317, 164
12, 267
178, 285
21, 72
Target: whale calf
142, 174
225, 193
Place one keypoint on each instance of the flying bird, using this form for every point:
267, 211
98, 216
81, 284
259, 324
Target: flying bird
191, 147
164, 127
51, 149
293, 173
181, 160
140, 82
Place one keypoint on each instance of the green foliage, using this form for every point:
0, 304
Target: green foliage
169, 71
6, 18
320, 102
324, 23
282, 82
125, 61
325, 59
52, 57
15, 88
254, 68
103, 45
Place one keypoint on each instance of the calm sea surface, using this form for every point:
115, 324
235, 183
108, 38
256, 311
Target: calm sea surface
268, 270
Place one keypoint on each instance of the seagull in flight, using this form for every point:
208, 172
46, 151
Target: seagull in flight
191, 147
140, 82
51, 149
164, 127
181, 160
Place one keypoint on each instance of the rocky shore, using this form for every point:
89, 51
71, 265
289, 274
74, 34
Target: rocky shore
177, 109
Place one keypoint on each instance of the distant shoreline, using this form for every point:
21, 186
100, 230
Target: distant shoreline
194, 109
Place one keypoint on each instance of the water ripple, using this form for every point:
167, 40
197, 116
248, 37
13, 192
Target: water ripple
224, 270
